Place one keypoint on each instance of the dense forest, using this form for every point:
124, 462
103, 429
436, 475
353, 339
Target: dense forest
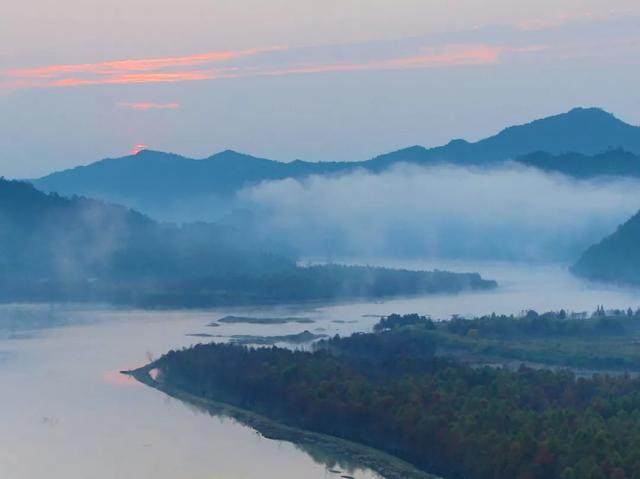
76, 249
390, 390
616, 258
315, 283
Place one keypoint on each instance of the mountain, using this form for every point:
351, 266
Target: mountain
77, 249
616, 162
158, 183
582, 130
170, 186
616, 259
49, 239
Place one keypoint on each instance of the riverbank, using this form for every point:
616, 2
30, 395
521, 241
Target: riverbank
321, 447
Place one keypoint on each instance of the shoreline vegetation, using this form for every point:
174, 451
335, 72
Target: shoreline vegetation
401, 390
334, 453
295, 285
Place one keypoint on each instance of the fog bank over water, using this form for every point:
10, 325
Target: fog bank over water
507, 212
521, 287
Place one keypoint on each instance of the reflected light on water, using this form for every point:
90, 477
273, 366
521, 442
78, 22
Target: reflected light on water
116, 378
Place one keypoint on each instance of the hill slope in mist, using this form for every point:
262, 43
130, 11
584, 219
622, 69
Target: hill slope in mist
616, 162
76, 249
167, 185
49, 238
616, 259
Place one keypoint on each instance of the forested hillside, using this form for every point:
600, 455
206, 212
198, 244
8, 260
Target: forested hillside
76, 249
616, 162
616, 259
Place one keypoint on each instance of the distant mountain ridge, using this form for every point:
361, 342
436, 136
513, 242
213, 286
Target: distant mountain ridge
582, 130
616, 162
153, 181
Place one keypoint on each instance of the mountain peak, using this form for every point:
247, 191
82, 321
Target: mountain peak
587, 117
229, 152
591, 114
145, 152
581, 130
576, 117
592, 111
458, 142
148, 155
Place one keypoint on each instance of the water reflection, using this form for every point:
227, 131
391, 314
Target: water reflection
67, 414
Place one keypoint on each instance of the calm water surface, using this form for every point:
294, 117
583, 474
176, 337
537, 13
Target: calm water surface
66, 412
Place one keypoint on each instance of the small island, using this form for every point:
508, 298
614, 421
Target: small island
247, 339
255, 320
300, 338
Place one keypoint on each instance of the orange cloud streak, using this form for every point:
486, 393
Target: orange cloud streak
169, 77
123, 72
463, 55
137, 65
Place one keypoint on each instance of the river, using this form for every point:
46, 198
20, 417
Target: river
66, 413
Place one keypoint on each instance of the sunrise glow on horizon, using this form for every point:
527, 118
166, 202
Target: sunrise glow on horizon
238, 74
138, 148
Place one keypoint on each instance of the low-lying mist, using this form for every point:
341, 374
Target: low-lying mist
509, 212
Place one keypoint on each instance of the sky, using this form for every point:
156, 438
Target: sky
82, 80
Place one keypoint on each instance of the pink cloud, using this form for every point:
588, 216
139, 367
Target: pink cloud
137, 65
150, 70
450, 56
177, 69
460, 55
143, 105
132, 78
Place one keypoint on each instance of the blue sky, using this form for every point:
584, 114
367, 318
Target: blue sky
334, 80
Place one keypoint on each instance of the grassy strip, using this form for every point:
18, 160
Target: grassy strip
603, 353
